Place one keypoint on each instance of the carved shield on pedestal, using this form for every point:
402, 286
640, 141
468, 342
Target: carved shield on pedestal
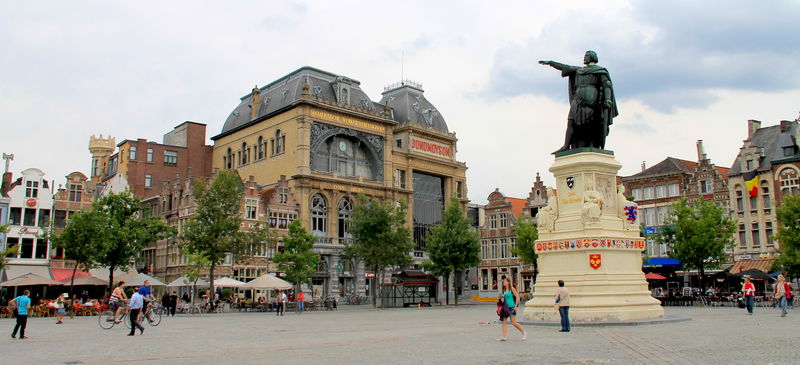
570, 182
595, 260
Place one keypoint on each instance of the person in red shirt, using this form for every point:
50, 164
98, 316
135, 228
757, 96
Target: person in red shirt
301, 298
749, 292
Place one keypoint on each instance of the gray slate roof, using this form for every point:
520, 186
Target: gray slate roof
409, 105
408, 102
767, 138
669, 166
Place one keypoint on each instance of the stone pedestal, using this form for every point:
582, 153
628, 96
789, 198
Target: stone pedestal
589, 237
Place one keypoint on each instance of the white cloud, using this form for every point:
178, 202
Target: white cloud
135, 70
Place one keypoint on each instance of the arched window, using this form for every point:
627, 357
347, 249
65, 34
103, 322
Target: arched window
789, 181
347, 267
244, 154
280, 142
229, 159
345, 210
319, 215
260, 147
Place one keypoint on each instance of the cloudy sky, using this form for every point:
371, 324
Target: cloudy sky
682, 70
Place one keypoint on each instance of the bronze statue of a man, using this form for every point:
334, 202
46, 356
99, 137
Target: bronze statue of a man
592, 103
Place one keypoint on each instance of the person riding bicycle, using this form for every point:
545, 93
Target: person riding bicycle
148, 297
116, 302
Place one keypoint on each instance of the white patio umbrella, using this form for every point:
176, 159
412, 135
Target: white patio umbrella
268, 281
227, 282
184, 281
138, 280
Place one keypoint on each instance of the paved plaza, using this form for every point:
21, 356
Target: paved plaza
439, 335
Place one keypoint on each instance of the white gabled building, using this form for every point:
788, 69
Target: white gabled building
30, 207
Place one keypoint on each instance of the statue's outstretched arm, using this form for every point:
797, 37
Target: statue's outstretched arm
556, 65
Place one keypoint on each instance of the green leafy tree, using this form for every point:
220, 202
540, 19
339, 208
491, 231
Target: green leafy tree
452, 245
9, 251
380, 236
527, 234
212, 232
297, 260
698, 235
195, 268
127, 231
788, 213
83, 240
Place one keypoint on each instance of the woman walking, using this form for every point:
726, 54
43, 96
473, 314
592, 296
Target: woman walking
61, 309
509, 310
779, 293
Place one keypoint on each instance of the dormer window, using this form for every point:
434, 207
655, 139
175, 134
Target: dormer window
344, 94
788, 151
749, 164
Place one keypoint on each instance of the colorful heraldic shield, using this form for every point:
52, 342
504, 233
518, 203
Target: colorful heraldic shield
595, 260
630, 213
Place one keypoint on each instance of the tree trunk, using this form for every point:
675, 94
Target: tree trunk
211, 285
380, 286
72, 281
456, 283
374, 287
447, 288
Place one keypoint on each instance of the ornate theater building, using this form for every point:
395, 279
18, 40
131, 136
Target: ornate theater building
329, 141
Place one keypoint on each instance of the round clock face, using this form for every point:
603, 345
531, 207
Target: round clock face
342, 145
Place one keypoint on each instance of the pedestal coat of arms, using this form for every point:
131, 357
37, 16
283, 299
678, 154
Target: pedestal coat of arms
595, 260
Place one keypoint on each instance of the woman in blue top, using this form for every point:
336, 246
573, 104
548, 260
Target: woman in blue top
510, 303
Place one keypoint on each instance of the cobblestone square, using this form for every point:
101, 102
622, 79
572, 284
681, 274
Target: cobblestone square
438, 335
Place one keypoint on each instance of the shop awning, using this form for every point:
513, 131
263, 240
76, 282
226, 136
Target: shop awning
762, 265
661, 262
13, 271
64, 274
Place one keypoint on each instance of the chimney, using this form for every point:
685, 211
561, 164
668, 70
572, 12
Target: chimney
785, 125
6, 183
255, 102
752, 127
644, 166
701, 153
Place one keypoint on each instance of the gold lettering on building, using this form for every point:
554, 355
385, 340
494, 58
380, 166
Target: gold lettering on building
346, 120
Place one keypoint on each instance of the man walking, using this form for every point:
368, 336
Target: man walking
562, 303
301, 298
173, 303
21, 303
135, 305
749, 292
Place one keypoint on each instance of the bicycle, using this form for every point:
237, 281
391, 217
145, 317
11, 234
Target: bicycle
154, 312
106, 319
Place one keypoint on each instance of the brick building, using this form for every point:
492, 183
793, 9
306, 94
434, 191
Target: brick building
74, 196
655, 189
498, 236
142, 166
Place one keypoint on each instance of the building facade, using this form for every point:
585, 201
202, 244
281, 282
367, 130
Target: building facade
332, 142
30, 204
76, 195
498, 237
143, 166
655, 189
765, 170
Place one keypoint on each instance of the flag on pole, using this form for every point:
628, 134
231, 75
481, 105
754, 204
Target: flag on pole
751, 182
